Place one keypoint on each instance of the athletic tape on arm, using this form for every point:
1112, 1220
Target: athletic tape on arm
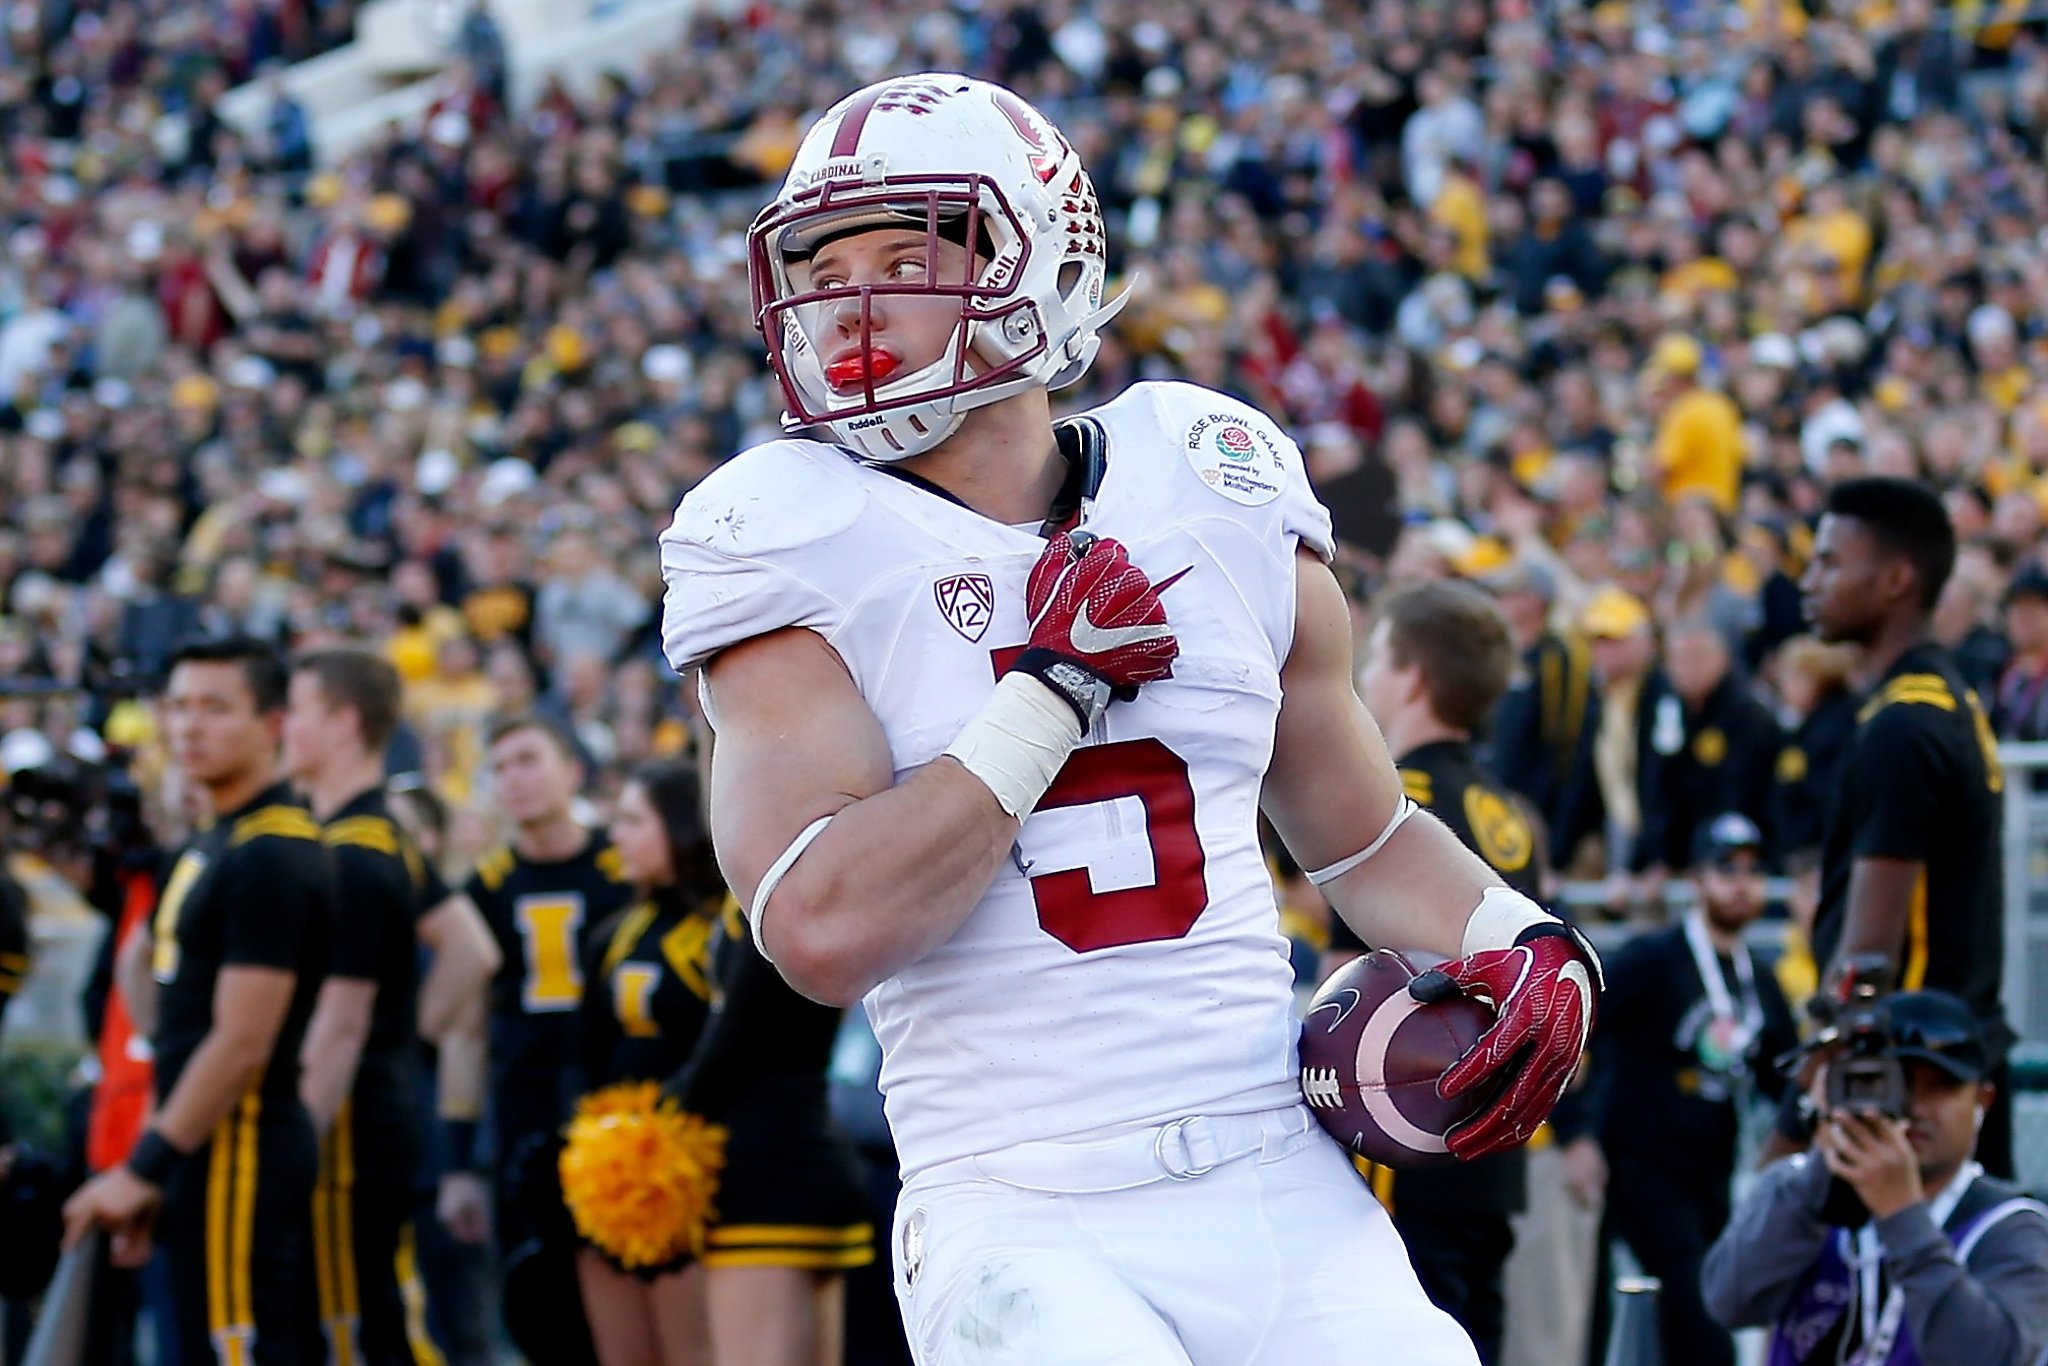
783, 863
1338, 869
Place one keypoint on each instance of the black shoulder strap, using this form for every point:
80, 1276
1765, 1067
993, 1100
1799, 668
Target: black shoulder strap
1086, 447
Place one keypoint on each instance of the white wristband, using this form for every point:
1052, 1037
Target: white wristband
1016, 743
1500, 918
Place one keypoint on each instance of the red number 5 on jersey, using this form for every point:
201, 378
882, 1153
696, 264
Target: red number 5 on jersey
1069, 907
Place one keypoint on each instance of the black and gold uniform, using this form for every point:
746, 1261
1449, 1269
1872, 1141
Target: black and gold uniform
543, 916
790, 1193
256, 890
648, 971
1455, 1219
368, 1160
1920, 780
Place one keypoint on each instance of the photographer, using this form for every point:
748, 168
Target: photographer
1936, 1262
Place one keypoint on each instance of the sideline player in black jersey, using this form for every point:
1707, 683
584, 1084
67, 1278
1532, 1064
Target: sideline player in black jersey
1438, 660
238, 946
542, 897
362, 1064
791, 1216
1911, 861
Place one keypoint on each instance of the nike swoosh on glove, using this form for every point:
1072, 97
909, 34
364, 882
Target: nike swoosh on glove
1094, 611
1544, 992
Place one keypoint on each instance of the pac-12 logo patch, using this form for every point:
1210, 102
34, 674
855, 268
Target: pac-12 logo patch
968, 603
1235, 443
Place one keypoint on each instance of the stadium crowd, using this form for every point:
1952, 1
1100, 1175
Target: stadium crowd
1589, 305
1601, 297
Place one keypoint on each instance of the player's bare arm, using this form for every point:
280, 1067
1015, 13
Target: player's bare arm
1333, 788
249, 1009
464, 1200
465, 958
334, 1046
899, 866
1403, 880
1880, 905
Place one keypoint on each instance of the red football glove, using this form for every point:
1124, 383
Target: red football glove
1543, 991
1098, 629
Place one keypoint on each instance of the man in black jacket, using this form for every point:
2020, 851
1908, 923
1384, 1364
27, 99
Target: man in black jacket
1726, 758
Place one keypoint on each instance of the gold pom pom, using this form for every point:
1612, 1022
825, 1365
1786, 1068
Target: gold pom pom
639, 1174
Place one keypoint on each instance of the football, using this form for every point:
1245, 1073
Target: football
1371, 1054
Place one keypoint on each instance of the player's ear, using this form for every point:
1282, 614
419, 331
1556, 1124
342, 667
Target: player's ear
1898, 578
1414, 683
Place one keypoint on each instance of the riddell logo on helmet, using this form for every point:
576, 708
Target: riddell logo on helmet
1235, 443
865, 423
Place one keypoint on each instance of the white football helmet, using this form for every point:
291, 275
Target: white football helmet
963, 160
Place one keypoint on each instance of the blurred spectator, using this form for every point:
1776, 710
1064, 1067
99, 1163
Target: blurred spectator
583, 608
1727, 755
1544, 733
1698, 445
1813, 679
1966, 620
480, 43
2021, 711
1641, 723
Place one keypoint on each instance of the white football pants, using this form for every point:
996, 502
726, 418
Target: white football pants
1244, 1240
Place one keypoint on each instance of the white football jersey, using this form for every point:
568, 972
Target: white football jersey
1128, 967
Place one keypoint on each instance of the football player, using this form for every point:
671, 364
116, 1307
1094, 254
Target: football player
998, 702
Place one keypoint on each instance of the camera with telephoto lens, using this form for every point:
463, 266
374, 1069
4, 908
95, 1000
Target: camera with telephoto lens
1864, 1073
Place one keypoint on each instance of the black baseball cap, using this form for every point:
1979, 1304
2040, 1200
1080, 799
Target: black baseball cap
2030, 582
1935, 1027
1725, 836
